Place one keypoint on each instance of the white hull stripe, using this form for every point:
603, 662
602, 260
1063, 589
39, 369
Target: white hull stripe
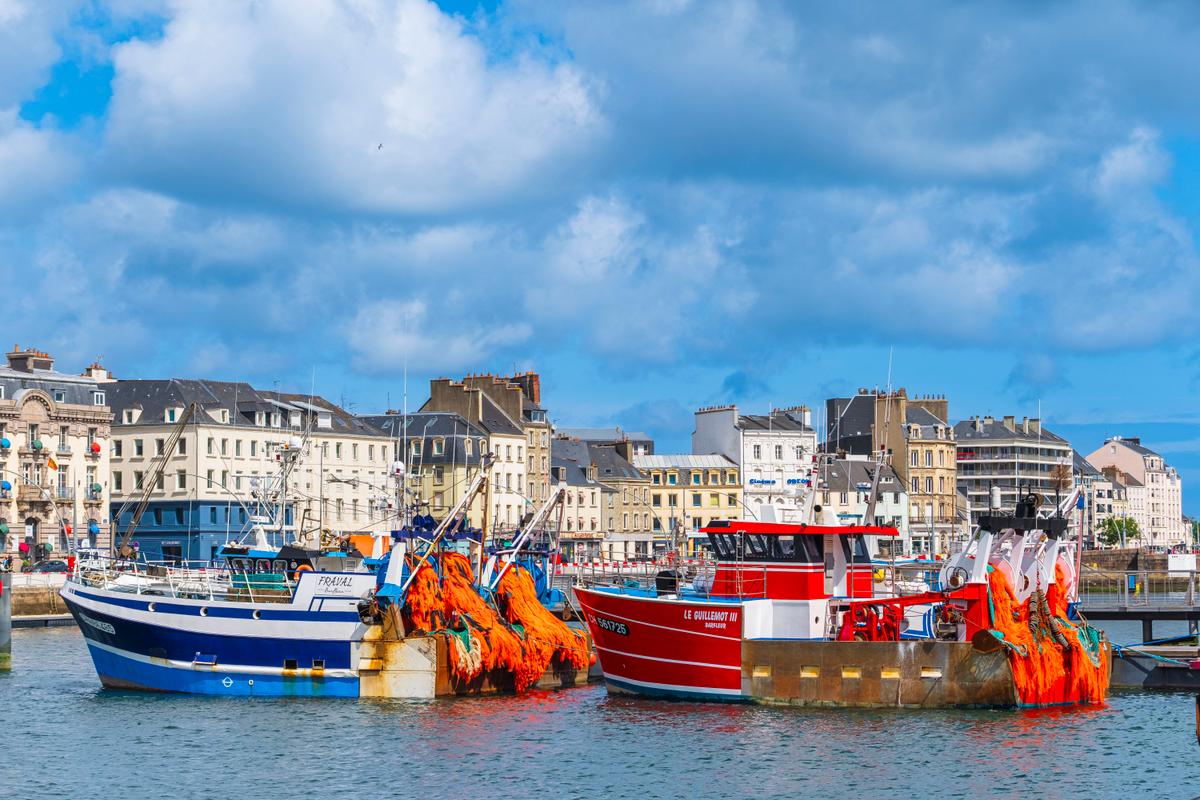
678, 688
225, 626
670, 660
220, 668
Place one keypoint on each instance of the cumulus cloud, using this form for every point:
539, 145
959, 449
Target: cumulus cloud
367, 106
386, 335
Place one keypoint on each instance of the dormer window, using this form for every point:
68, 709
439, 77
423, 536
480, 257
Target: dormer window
224, 416
128, 417
260, 418
439, 446
60, 396
467, 448
97, 398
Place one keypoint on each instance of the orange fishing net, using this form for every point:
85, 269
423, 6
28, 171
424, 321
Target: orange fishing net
488, 641
1053, 660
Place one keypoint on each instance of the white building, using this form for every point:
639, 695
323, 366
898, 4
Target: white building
1157, 505
228, 451
775, 452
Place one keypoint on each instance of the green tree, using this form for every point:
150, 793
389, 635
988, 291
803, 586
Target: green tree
1119, 530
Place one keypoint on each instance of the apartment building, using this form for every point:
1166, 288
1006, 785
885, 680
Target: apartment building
1015, 457
441, 453
54, 450
582, 535
1161, 517
775, 452
224, 472
688, 492
918, 442
508, 441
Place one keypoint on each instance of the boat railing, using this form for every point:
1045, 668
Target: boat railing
898, 579
1114, 589
182, 579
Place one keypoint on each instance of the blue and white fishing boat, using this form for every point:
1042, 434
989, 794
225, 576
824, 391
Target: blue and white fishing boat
278, 621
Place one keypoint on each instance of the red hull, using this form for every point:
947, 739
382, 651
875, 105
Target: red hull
666, 647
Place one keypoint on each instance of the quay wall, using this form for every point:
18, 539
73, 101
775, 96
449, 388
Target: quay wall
1134, 559
33, 601
5, 621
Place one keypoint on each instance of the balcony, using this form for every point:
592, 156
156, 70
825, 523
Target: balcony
34, 494
63, 493
63, 449
93, 496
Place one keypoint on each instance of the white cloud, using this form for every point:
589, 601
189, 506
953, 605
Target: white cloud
1133, 166
295, 99
386, 334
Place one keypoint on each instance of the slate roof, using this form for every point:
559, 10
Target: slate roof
605, 435
240, 399
77, 389
1136, 447
569, 462
844, 475
611, 465
427, 425
1082, 465
779, 421
965, 432
496, 421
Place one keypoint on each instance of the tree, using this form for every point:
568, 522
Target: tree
1119, 530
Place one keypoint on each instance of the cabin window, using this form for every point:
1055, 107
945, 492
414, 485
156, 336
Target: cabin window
289, 663
263, 565
785, 547
757, 545
812, 547
280, 566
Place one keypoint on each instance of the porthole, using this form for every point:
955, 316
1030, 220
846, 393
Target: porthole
203, 612
152, 607
257, 614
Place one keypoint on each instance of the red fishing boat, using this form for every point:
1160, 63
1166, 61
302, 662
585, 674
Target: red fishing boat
791, 615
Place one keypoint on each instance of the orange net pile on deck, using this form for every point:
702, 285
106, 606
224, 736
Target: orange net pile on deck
523, 642
1054, 661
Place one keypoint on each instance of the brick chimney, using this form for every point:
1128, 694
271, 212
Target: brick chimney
29, 359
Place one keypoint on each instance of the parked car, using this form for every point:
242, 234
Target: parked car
54, 565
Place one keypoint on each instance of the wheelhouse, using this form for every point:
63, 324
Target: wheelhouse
791, 562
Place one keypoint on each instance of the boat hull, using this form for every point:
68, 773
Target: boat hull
237, 649
680, 649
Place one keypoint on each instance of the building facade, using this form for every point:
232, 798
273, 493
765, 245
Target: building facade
441, 453
224, 471
54, 455
1160, 516
688, 492
1015, 457
919, 443
775, 453
582, 536
507, 501
844, 491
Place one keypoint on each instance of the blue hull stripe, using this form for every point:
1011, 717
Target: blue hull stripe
218, 609
159, 642
117, 671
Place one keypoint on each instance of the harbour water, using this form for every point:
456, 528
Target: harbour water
63, 736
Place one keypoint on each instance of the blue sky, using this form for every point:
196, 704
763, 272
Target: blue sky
657, 205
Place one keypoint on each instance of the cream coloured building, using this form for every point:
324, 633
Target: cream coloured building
54, 434
225, 468
1159, 507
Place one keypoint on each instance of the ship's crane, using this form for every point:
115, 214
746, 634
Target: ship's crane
150, 481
